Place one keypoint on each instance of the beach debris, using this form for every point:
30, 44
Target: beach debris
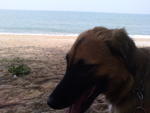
15, 76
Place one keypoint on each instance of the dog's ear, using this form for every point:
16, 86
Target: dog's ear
120, 44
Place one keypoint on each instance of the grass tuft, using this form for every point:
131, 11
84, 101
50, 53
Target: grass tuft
18, 68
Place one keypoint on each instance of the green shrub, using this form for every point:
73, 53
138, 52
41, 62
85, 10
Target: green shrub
19, 70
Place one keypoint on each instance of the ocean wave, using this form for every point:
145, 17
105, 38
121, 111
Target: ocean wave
45, 34
140, 36
64, 34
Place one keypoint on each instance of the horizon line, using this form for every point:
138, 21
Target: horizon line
75, 11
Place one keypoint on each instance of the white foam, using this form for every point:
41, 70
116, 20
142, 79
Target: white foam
141, 40
39, 34
66, 34
140, 36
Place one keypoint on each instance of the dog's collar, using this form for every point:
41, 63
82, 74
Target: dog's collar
139, 91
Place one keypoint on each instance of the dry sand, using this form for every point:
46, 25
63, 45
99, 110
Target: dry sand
45, 56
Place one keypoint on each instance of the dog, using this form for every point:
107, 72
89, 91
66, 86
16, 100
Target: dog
105, 61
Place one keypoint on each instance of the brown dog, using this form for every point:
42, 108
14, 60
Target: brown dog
105, 61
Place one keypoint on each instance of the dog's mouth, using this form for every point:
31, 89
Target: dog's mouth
84, 102
78, 100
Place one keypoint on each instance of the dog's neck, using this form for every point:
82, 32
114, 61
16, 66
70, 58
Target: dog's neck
139, 62
142, 76
138, 65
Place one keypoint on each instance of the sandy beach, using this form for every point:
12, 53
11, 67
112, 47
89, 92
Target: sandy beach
45, 56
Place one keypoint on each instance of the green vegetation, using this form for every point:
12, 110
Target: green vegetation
18, 68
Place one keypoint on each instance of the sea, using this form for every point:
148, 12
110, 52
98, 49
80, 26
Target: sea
69, 22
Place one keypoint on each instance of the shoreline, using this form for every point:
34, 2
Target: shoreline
65, 34
41, 34
8, 40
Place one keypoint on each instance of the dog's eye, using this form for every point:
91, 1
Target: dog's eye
84, 65
67, 57
81, 62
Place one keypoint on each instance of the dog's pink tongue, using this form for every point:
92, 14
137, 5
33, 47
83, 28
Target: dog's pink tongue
77, 106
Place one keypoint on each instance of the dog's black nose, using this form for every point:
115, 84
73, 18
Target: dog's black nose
55, 104
50, 102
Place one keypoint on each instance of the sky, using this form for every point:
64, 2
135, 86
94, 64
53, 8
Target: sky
115, 6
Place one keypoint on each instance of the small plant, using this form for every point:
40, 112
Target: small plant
19, 70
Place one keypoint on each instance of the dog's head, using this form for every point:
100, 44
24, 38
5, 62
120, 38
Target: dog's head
97, 63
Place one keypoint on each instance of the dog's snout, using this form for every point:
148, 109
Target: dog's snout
51, 102
55, 104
